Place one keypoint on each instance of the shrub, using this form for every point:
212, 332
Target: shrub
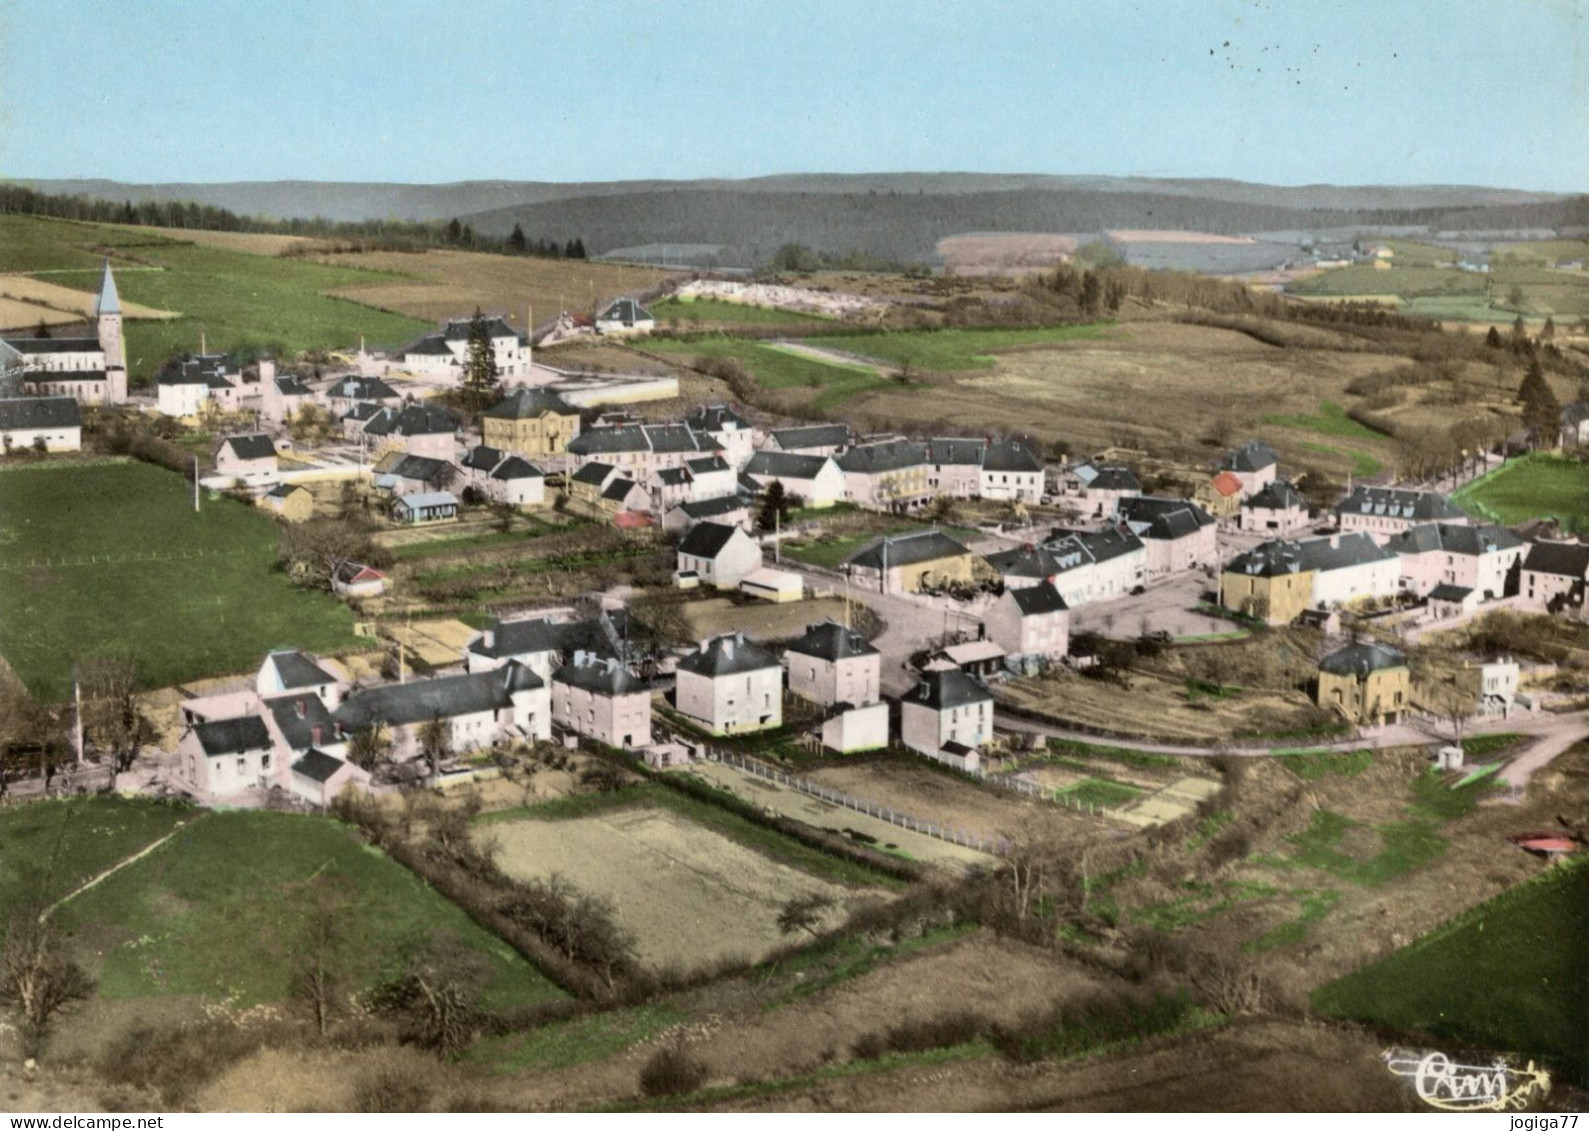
391, 1091
671, 1072
945, 1032
1069, 1028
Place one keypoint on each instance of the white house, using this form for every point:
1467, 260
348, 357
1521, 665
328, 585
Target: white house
445, 352
815, 480
251, 459
1555, 575
948, 717
1178, 534
719, 555
1254, 465
1480, 558
1010, 471
727, 509
480, 709
1277, 509
52, 423
732, 431
811, 439
730, 685
598, 698
832, 664
1030, 620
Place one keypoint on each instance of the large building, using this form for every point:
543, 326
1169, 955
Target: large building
445, 353
531, 422
1383, 512
1366, 683
52, 424
911, 563
730, 685
89, 370
1277, 581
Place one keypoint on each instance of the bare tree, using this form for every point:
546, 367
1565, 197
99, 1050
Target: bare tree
113, 720
37, 977
370, 747
437, 1001
435, 742
320, 979
315, 550
804, 913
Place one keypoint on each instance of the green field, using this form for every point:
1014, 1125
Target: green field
947, 351
1532, 486
1448, 293
687, 309
1363, 464
1331, 420
49, 848
239, 300
776, 368
216, 911
1509, 975
72, 584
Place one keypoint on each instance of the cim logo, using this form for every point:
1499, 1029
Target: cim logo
1442, 1084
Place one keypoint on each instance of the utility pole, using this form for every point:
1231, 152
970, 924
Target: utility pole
777, 535
77, 715
195, 484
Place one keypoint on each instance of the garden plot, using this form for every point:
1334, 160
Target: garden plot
1178, 799
690, 895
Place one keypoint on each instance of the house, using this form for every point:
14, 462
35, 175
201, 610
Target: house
1098, 565
1010, 471
587, 484
346, 392
226, 756
598, 698
291, 670
815, 481
670, 487
1254, 465
319, 777
776, 585
197, 382
710, 477
641, 450
625, 316
289, 502
1221, 496
425, 506
1555, 575
1481, 558
1276, 581
351, 579
532, 422
850, 728
730, 685
480, 709
911, 563
833, 664
728, 509
544, 642
1382, 512
1031, 620
90, 370
53, 424
1575, 424
732, 432
1278, 510
980, 659
418, 429
623, 495
1027, 565
889, 475
445, 353
811, 439
281, 398
717, 554
947, 716
355, 418
1447, 602
503, 477
1367, 683
1179, 535
403, 474
954, 467
1097, 487
251, 459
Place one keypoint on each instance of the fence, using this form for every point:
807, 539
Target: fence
998, 846
18, 564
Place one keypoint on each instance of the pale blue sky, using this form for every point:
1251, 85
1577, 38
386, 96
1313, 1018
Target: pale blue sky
1344, 91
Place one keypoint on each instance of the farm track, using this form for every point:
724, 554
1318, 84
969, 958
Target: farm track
125, 862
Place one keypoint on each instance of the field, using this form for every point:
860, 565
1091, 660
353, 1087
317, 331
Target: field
760, 620
19, 293
985, 253
1534, 486
699, 310
109, 557
792, 376
218, 910
1525, 948
690, 894
48, 848
1446, 292
239, 300
942, 351
437, 284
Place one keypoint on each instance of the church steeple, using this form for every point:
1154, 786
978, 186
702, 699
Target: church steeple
107, 301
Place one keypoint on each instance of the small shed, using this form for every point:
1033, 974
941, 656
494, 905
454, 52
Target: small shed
980, 658
425, 506
1447, 602
776, 585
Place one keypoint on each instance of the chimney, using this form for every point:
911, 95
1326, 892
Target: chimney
314, 734
267, 369
1335, 541
301, 707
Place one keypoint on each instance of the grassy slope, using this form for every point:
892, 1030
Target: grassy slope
215, 911
1524, 948
179, 619
952, 350
49, 848
776, 368
238, 300
716, 310
1531, 487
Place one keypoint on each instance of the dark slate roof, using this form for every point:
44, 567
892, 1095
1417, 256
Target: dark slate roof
1444, 592
361, 389
526, 403
1254, 455
285, 490
677, 438
297, 670
594, 473
712, 508
421, 469
482, 458
517, 467
1278, 556
1037, 600
1395, 502
728, 655
1361, 658
1163, 519
299, 730
625, 310
1080, 548
602, 635
62, 376
364, 410
950, 450
257, 446
886, 455
418, 701
1010, 455
618, 490
457, 329
907, 549
291, 386
1453, 539
1276, 495
39, 412
705, 465
716, 418
602, 674
812, 436
232, 736
947, 689
785, 465
1565, 559
1026, 561
55, 345
413, 420
831, 641
707, 539
674, 476
431, 345
641, 438
1114, 478
1575, 412
317, 766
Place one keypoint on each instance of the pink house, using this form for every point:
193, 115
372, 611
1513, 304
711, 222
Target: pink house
1278, 510
598, 698
1480, 558
1031, 620
832, 664
249, 458
1179, 535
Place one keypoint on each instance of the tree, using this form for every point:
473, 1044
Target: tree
579, 248
480, 362
435, 742
516, 240
113, 721
1091, 293
1548, 331
454, 231
320, 983
315, 550
1542, 418
774, 506
1514, 297
37, 976
437, 1001
1519, 330
42, 330
804, 913
1493, 338
602, 777
1533, 384
369, 747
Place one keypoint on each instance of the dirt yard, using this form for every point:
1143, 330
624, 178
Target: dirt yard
761, 620
690, 895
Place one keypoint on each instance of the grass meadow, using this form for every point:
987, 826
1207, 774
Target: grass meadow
1533, 486
109, 557
49, 848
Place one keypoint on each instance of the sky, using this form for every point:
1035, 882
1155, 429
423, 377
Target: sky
1492, 92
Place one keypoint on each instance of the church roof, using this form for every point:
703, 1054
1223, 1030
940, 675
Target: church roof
107, 301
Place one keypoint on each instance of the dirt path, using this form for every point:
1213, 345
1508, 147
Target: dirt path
113, 869
835, 357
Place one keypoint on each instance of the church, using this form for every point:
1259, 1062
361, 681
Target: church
89, 370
